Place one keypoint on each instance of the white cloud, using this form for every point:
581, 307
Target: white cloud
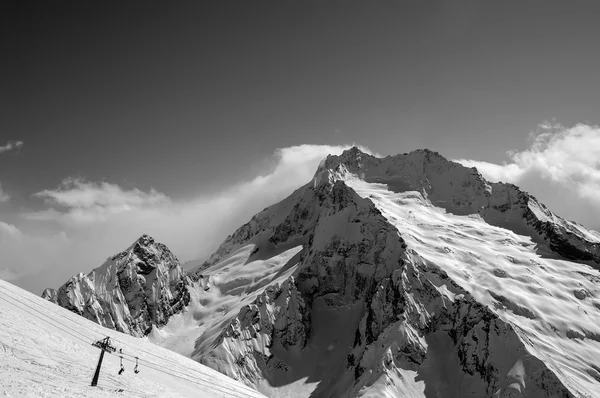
561, 168
97, 220
4, 197
24, 253
89, 202
11, 145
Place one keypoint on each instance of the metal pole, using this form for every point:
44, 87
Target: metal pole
104, 345
97, 374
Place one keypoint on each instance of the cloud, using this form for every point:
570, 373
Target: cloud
89, 202
11, 145
4, 197
24, 253
90, 221
561, 168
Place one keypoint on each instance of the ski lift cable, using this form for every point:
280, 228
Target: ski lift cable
189, 379
87, 341
176, 364
51, 324
201, 382
220, 388
181, 366
120, 342
183, 376
46, 313
19, 305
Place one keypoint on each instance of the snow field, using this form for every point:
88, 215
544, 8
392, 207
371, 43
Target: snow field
46, 351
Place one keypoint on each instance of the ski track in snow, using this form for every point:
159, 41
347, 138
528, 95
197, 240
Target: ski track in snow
46, 351
554, 305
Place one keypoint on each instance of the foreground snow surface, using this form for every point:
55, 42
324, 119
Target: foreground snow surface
46, 351
553, 304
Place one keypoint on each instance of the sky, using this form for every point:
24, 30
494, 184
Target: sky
182, 120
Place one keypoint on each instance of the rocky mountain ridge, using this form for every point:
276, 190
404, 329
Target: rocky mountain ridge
132, 292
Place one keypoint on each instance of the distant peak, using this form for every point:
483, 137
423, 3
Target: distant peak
354, 150
351, 158
145, 240
353, 153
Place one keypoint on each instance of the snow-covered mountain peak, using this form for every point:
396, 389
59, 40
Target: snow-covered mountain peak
448, 183
131, 292
462, 190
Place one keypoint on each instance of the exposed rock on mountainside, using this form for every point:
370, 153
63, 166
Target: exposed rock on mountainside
50, 295
131, 292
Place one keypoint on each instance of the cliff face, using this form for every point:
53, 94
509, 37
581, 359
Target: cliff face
131, 292
405, 285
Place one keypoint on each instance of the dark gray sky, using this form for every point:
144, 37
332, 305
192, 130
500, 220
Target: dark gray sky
193, 97
159, 95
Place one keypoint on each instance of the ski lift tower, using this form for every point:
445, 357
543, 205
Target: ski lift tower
104, 346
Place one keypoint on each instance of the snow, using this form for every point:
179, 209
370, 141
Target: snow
553, 304
230, 285
46, 351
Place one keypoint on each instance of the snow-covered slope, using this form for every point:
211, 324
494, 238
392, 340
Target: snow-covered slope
46, 351
131, 292
408, 276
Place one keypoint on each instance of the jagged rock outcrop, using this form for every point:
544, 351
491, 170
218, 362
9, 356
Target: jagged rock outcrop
50, 295
131, 292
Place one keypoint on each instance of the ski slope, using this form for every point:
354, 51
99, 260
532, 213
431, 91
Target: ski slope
46, 351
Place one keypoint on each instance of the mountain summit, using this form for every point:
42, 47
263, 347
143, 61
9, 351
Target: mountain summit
462, 191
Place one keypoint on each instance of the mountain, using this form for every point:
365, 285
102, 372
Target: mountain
46, 351
132, 292
405, 276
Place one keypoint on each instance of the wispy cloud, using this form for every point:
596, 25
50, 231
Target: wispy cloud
97, 219
4, 197
561, 167
11, 146
84, 201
